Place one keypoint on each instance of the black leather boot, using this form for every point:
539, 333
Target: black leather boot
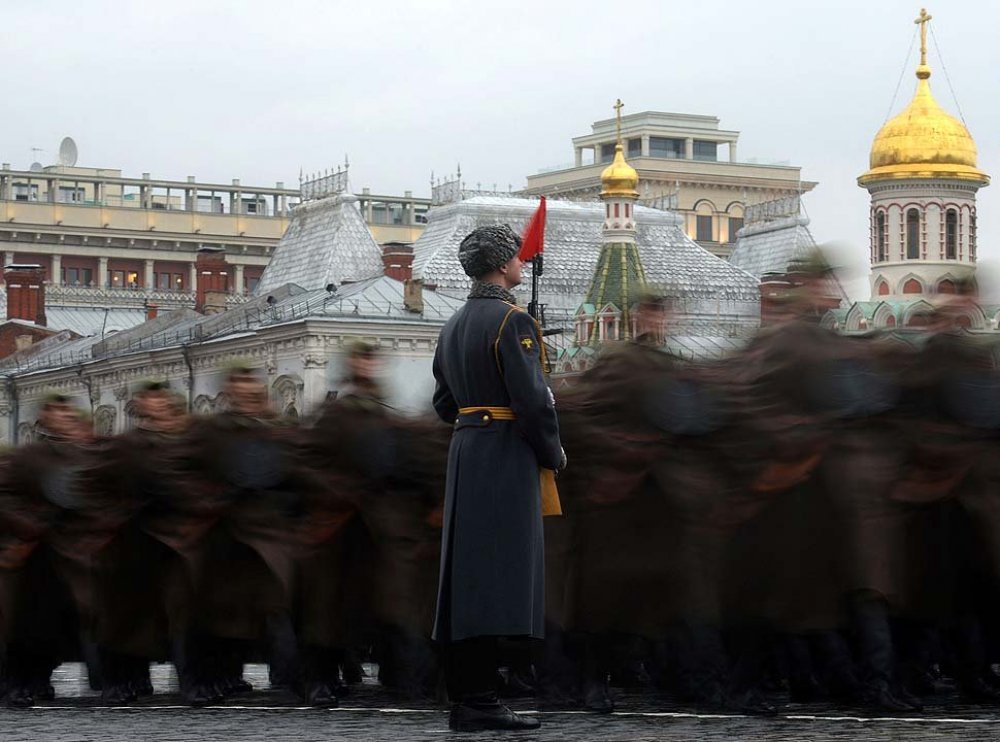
476, 717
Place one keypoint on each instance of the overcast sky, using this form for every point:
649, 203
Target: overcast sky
256, 90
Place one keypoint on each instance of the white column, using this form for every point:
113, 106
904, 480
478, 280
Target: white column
102, 273
238, 289
192, 277
689, 149
56, 278
732, 151
148, 280
645, 145
578, 156
8, 259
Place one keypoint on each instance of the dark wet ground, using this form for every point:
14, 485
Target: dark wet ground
370, 713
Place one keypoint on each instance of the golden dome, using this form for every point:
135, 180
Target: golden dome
923, 142
619, 179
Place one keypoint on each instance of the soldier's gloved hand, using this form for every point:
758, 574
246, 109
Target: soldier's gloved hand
562, 460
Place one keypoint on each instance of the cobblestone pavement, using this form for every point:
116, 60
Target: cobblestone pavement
371, 714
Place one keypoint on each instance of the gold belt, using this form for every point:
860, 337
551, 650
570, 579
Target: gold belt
497, 413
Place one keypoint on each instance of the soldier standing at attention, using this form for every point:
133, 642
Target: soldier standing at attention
491, 385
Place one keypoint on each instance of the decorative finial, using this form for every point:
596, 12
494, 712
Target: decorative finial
923, 71
618, 119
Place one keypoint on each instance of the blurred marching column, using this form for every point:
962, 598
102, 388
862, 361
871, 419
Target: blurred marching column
246, 459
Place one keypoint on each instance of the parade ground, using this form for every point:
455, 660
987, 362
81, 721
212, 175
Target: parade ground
369, 713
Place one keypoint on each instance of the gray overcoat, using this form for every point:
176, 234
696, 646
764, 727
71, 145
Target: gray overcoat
492, 551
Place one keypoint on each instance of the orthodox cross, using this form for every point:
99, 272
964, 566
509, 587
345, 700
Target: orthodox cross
922, 22
618, 118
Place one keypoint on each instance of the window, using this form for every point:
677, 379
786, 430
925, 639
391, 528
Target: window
883, 288
607, 152
672, 149
706, 151
880, 255
25, 192
972, 236
164, 281
617, 208
735, 225
251, 283
703, 232
951, 234
69, 195
116, 279
912, 286
912, 235
947, 286
133, 279
634, 147
77, 276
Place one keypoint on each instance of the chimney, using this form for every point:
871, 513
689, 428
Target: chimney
151, 311
397, 260
213, 276
413, 295
25, 292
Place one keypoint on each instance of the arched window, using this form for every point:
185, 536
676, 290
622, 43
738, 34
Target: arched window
880, 236
883, 288
947, 286
890, 321
951, 234
912, 286
912, 235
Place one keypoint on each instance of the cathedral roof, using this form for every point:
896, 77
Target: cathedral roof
327, 241
702, 285
923, 141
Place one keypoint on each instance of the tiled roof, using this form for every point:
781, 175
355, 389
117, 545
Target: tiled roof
327, 241
706, 289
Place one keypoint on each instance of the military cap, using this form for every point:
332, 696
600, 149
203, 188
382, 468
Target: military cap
487, 248
56, 398
358, 347
154, 385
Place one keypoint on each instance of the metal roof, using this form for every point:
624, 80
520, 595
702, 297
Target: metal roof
327, 241
769, 247
377, 298
705, 288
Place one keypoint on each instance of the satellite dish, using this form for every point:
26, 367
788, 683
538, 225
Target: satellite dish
36, 167
67, 152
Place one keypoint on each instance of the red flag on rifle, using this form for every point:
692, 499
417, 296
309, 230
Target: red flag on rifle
533, 241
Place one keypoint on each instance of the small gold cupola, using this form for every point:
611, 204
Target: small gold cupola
619, 179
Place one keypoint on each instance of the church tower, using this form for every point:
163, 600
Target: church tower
619, 279
923, 181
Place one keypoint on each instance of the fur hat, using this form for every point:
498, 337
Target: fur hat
487, 248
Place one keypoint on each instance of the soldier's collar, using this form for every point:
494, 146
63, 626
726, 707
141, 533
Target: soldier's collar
482, 290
